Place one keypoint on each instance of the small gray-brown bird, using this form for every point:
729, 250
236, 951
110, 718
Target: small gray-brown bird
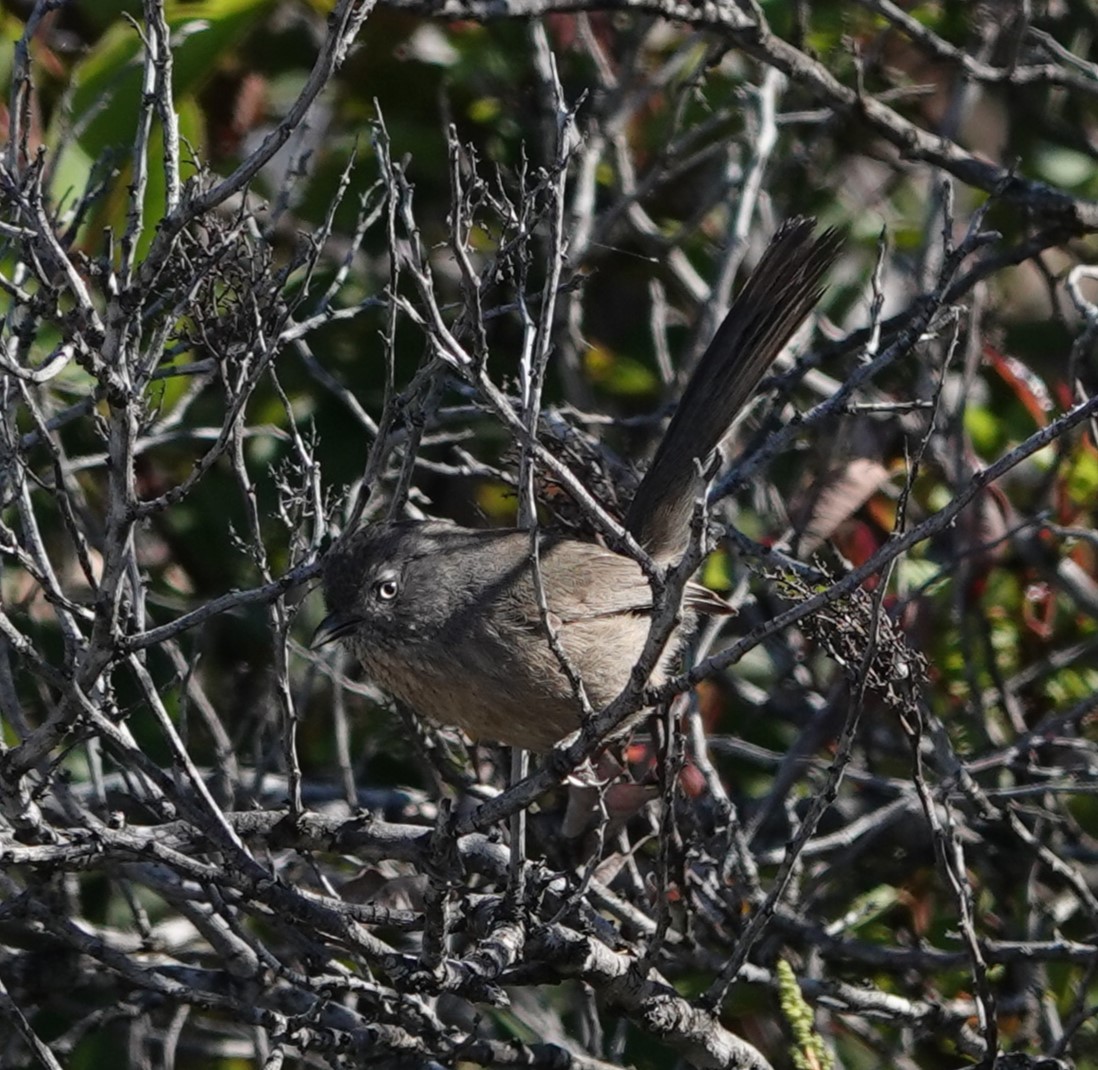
445, 618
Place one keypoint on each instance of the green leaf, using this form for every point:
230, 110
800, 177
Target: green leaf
106, 98
985, 429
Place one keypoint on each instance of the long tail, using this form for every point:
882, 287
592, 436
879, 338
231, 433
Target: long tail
773, 303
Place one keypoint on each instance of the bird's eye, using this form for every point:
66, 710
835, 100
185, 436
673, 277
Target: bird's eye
386, 590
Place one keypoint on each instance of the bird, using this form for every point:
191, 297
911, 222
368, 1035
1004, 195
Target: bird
447, 618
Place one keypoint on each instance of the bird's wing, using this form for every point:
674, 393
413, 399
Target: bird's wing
593, 581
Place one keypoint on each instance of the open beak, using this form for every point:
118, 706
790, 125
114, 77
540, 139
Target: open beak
334, 626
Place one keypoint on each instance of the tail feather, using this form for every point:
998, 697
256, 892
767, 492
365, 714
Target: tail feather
772, 305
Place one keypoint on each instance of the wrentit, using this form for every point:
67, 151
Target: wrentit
446, 618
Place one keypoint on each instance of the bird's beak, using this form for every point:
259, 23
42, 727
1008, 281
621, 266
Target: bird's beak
334, 626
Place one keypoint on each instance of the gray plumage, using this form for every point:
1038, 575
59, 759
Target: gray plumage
445, 618
773, 303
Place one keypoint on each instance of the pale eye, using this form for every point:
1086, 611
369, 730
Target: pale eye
386, 590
